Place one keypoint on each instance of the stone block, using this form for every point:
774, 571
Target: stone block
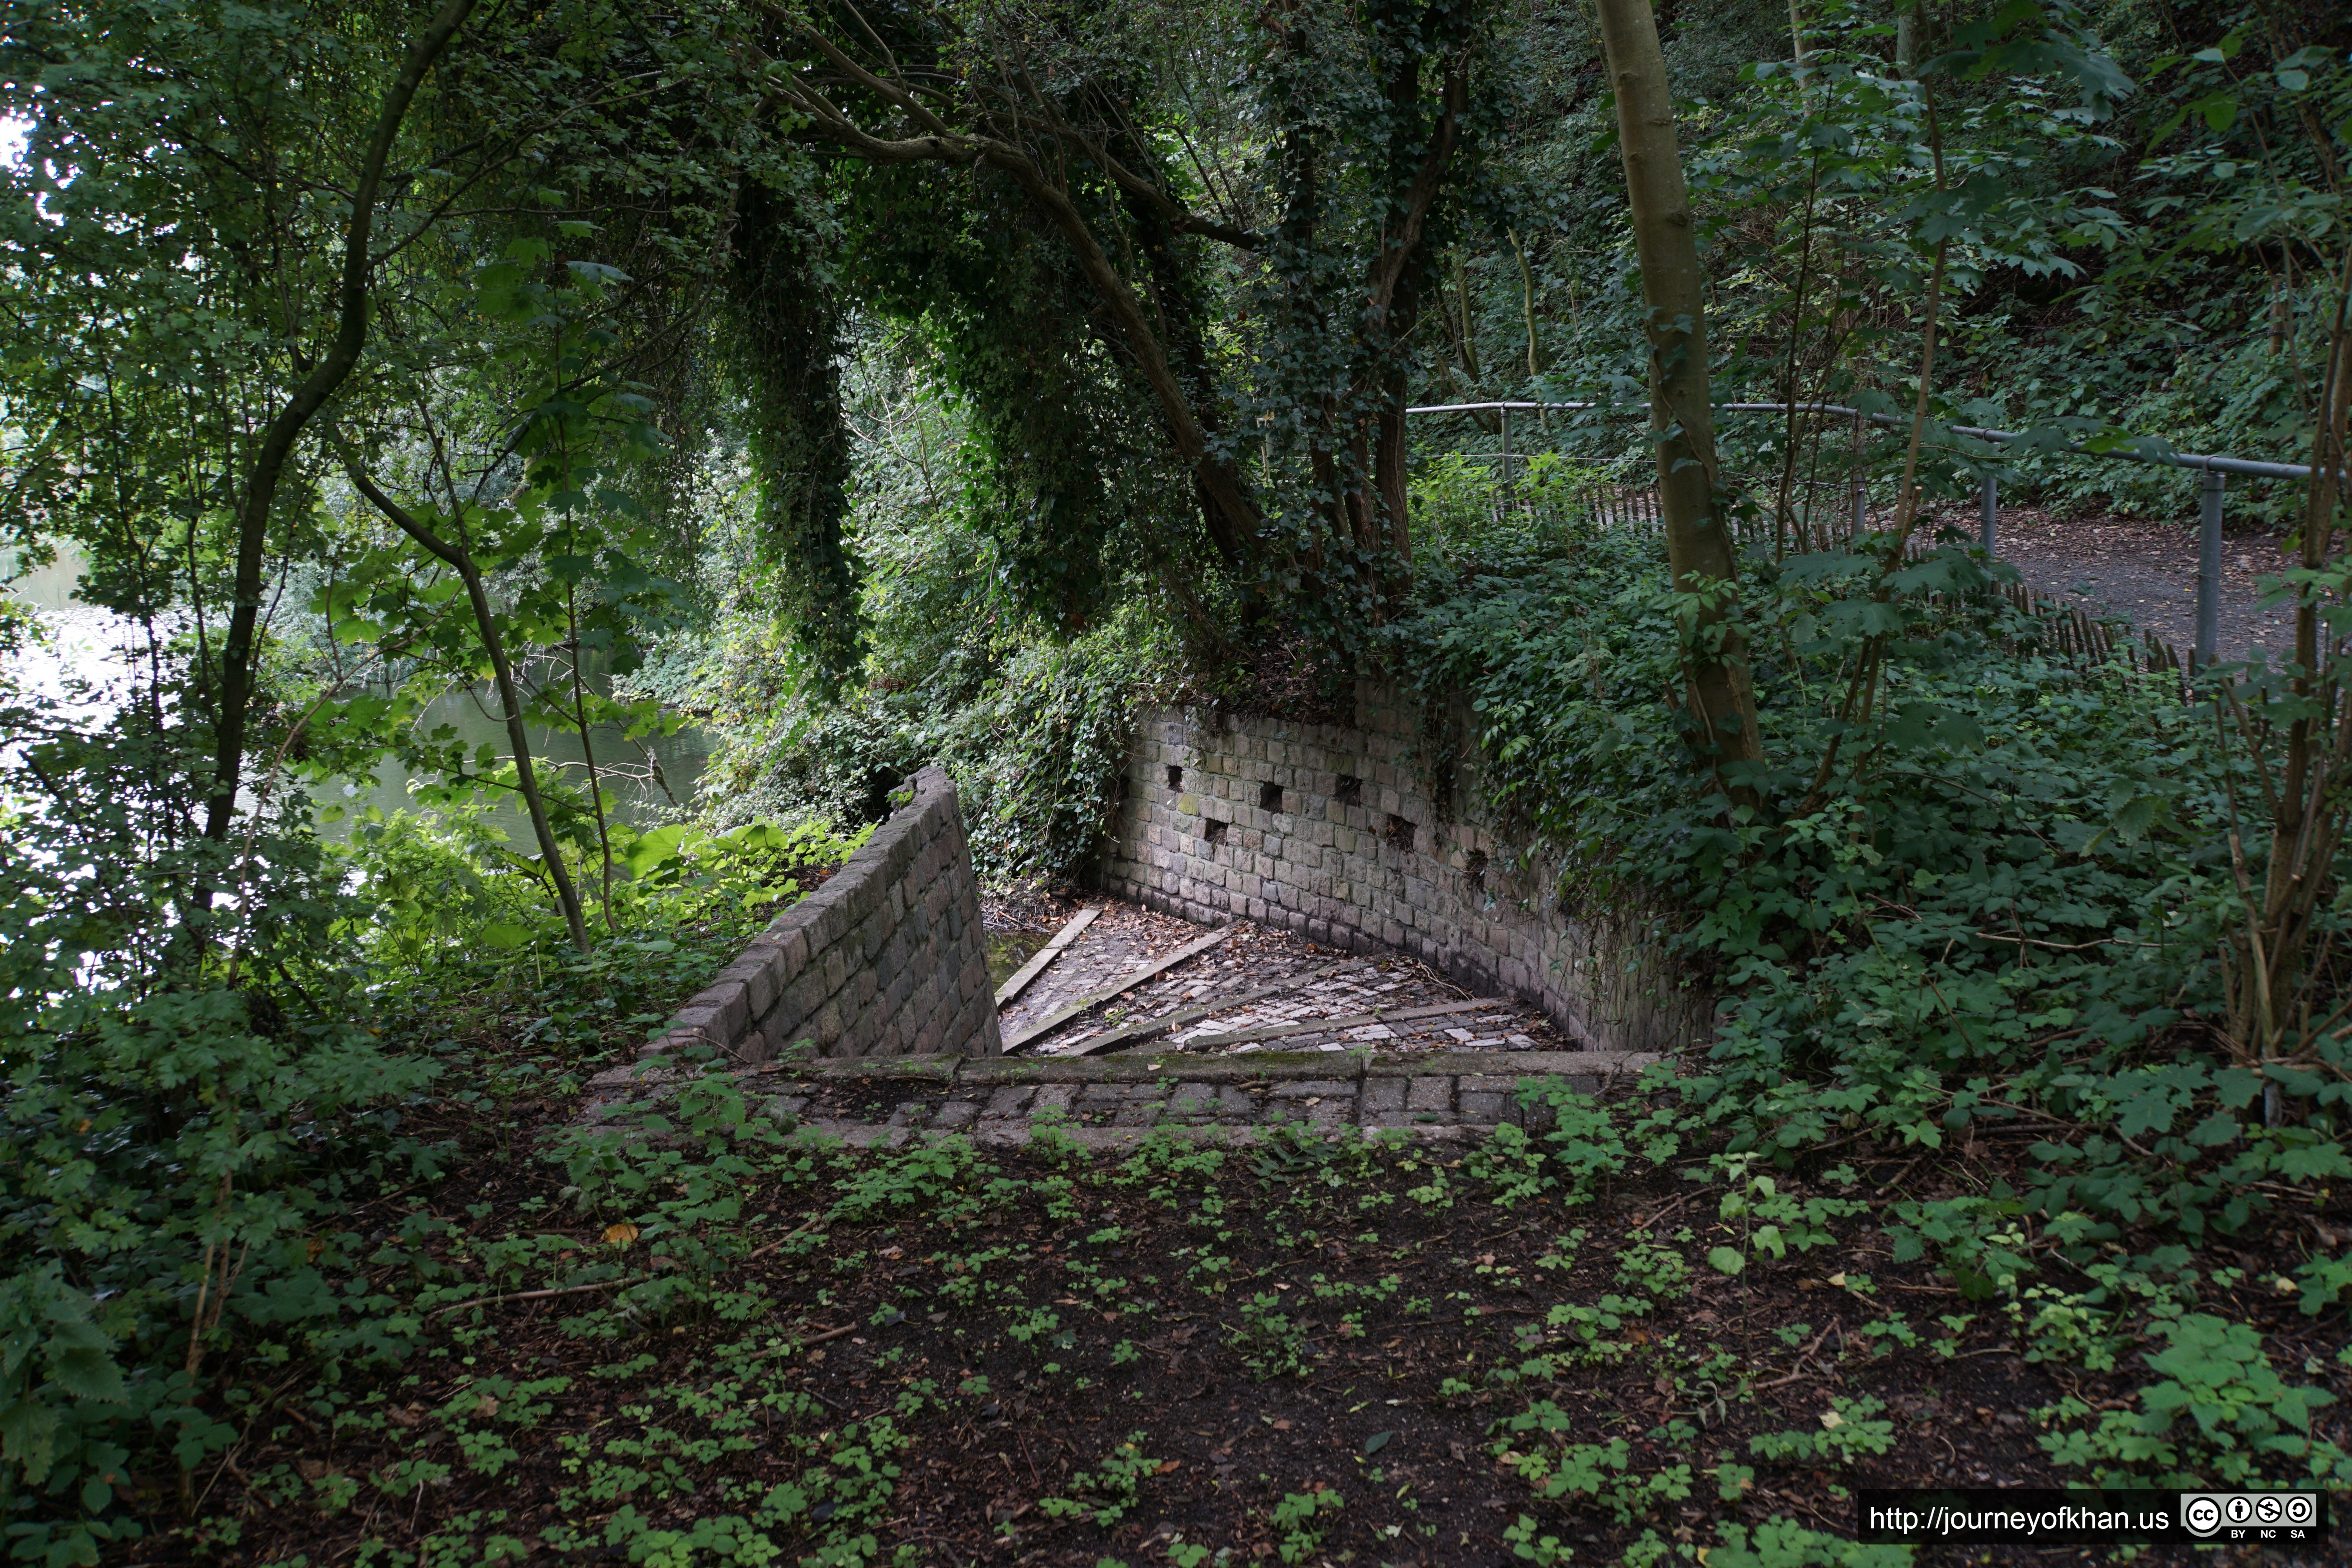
1193, 1100
1303, 1088
1011, 1099
1485, 1109
1429, 1094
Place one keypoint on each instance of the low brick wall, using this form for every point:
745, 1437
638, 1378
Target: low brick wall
887, 958
1376, 833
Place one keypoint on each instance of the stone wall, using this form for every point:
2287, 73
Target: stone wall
887, 958
1376, 833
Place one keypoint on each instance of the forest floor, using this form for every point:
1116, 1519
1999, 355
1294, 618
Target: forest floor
747, 1339
1304, 1350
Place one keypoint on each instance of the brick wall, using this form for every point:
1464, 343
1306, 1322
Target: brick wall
1375, 833
886, 959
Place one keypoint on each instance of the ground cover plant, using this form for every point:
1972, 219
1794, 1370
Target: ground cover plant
721, 1342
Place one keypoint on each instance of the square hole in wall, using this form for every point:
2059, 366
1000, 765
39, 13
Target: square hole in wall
1175, 776
1212, 830
1399, 832
1477, 871
1270, 797
1349, 791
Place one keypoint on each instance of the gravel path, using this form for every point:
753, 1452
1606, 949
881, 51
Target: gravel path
2146, 574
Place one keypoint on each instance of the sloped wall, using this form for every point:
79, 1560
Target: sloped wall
887, 958
1375, 833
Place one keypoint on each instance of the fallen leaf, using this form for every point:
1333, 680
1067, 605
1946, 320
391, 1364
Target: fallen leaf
1377, 1441
620, 1234
408, 1418
1168, 1464
1282, 1425
312, 1469
1833, 1420
484, 1407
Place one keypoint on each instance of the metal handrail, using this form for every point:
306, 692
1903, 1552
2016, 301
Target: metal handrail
2248, 467
2213, 468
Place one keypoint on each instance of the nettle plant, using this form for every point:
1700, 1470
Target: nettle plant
2219, 1412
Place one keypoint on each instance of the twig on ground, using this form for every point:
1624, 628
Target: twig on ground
536, 1295
1801, 1360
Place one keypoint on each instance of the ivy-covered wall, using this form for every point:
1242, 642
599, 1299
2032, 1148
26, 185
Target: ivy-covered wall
1376, 833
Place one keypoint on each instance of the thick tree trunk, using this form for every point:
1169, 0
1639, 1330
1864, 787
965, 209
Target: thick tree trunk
1722, 697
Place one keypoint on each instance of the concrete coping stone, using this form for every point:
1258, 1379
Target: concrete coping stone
1268, 1067
931, 1069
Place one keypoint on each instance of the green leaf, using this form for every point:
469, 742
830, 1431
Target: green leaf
1726, 1259
88, 1371
1377, 1441
28, 1431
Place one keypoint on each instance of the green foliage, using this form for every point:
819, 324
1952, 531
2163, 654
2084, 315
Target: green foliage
454, 912
1270, 1340
1785, 1544
1109, 1492
178, 1138
1583, 1147
1849, 1431
2218, 1413
1035, 735
1580, 1472
1298, 1518
1990, 914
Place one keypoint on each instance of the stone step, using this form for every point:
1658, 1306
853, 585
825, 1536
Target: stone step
1112, 1102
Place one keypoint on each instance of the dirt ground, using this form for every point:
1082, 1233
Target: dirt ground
1289, 1352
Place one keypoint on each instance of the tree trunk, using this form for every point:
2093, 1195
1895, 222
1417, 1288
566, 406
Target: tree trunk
1723, 698
461, 560
238, 651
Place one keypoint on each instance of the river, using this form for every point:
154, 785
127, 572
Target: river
84, 646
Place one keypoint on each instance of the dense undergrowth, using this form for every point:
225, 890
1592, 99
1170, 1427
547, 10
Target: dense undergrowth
176, 1158
1998, 915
